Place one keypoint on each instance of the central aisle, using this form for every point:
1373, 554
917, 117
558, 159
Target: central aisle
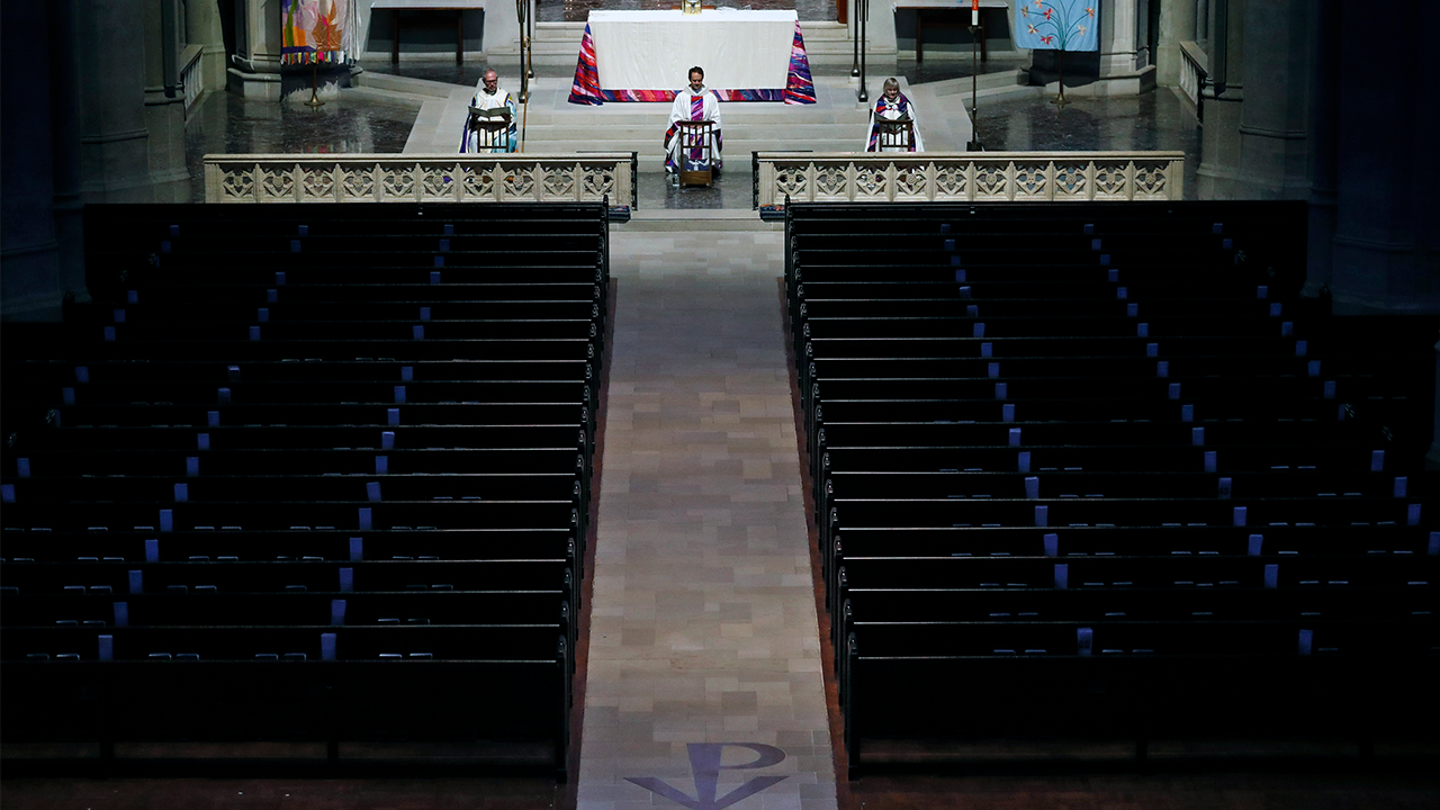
703, 626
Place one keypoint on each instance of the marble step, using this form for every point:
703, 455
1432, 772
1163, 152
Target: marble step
648, 152
653, 128
558, 43
403, 85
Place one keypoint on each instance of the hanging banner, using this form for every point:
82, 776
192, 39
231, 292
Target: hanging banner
1056, 25
313, 31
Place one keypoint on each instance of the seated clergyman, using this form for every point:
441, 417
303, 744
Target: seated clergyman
693, 103
490, 126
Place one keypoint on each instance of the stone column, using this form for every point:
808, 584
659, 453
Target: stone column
165, 103
114, 139
1118, 38
1325, 116
202, 27
28, 248
1274, 151
255, 72
502, 34
1386, 237
1177, 24
881, 50
67, 203
1223, 98
1432, 458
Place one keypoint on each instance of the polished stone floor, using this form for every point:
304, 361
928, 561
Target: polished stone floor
225, 123
1158, 120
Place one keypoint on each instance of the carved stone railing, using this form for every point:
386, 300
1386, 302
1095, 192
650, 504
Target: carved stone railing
1193, 70
589, 177
857, 177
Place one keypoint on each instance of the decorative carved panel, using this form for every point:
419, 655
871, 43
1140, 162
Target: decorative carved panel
598, 181
1071, 182
317, 182
278, 183
910, 182
357, 183
1150, 181
518, 184
238, 185
951, 183
830, 184
990, 183
559, 183
398, 182
871, 183
436, 182
1031, 182
1111, 182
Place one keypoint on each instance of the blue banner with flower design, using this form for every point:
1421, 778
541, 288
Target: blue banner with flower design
1057, 25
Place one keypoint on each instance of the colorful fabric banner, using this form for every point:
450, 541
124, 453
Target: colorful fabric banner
1057, 25
313, 31
585, 88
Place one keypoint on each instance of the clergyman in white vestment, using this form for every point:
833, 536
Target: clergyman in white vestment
693, 103
489, 96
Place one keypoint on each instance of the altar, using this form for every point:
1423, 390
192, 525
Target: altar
645, 56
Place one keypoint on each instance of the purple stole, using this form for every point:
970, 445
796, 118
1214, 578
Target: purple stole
697, 113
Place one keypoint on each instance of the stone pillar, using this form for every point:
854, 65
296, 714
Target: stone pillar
67, 203
1386, 238
501, 42
28, 248
1119, 38
1274, 151
1177, 24
202, 27
165, 103
881, 50
1223, 98
255, 72
1324, 154
114, 140
1432, 458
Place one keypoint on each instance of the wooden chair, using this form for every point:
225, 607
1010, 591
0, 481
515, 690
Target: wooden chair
697, 152
492, 132
896, 135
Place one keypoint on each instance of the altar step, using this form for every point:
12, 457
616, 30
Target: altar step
553, 125
558, 43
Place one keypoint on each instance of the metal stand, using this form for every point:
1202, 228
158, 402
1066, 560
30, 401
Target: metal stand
855, 43
863, 7
1059, 100
315, 100
976, 31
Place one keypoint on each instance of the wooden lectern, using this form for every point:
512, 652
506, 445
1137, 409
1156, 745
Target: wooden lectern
894, 135
697, 152
492, 128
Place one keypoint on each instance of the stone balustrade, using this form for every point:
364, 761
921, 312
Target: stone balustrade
1193, 70
530, 178
850, 177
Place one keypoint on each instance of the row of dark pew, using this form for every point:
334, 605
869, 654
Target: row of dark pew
306, 473
1098, 470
